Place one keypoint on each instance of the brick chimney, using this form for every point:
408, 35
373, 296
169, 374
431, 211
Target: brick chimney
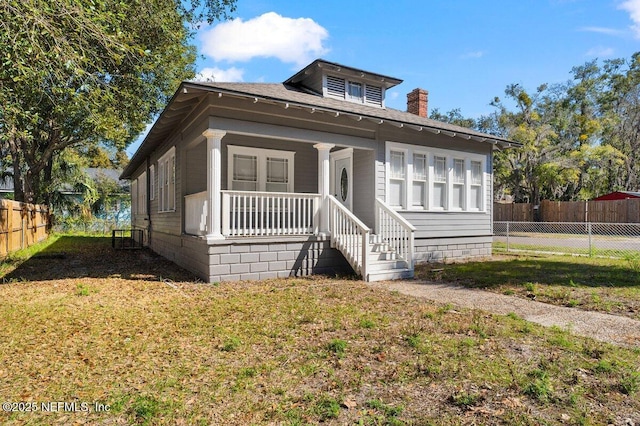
417, 102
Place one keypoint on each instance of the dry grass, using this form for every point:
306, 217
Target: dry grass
131, 331
593, 284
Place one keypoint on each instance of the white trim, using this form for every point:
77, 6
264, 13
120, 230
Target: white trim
431, 153
261, 155
167, 181
331, 90
152, 182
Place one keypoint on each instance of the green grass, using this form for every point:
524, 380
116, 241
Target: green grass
598, 284
294, 352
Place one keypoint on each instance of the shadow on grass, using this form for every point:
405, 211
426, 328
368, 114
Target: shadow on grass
561, 270
93, 257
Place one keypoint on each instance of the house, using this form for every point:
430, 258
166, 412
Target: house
617, 195
243, 181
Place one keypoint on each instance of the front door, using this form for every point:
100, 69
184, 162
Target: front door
341, 176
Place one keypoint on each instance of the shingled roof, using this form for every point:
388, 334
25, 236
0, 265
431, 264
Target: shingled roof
290, 95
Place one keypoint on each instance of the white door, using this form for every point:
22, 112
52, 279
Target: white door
341, 176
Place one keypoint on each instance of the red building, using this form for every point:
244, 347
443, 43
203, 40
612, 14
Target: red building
618, 195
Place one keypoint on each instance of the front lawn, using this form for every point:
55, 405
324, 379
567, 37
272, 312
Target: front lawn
595, 284
128, 331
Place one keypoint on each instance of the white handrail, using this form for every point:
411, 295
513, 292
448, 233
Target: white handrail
349, 235
395, 231
252, 213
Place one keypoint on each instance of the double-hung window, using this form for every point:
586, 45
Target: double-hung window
420, 178
434, 179
142, 194
458, 195
397, 178
152, 182
257, 169
439, 182
476, 186
167, 181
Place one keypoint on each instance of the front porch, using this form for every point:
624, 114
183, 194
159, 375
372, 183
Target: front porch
315, 223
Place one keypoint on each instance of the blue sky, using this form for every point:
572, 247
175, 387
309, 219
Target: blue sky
464, 52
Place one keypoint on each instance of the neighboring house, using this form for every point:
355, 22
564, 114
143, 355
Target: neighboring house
115, 208
617, 195
243, 181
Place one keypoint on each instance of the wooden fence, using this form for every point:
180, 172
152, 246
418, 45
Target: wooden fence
21, 225
612, 211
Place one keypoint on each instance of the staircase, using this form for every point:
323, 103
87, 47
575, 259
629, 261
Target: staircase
386, 255
384, 263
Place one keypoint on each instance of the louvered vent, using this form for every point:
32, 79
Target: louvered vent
373, 95
335, 86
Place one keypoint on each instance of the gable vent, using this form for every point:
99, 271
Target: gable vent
335, 86
373, 95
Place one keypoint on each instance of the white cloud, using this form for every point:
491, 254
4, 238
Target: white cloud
602, 30
600, 52
633, 7
230, 75
473, 55
270, 35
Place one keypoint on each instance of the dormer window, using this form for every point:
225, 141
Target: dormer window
353, 91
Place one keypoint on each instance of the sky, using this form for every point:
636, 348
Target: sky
464, 52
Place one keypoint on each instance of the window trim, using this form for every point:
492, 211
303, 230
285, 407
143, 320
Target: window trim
261, 155
330, 90
450, 157
152, 182
167, 188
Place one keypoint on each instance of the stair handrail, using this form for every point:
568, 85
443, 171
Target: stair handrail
396, 231
349, 235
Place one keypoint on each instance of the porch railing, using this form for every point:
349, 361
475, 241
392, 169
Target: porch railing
395, 231
349, 235
195, 219
253, 214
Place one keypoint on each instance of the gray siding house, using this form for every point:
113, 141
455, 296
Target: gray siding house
239, 181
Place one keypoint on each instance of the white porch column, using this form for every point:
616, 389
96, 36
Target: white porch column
323, 184
214, 182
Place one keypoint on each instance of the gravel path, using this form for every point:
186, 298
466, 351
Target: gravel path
604, 327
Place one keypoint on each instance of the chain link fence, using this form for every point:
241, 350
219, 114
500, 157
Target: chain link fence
620, 240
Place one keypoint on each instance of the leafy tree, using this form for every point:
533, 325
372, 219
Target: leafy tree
83, 73
621, 111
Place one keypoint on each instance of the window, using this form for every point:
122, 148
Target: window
397, 179
245, 172
152, 182
420, 173
476, 185
440, 182
142, 194
457, 197
353, 91
257, 169
277, 174
433, 179
134, 197
167, 181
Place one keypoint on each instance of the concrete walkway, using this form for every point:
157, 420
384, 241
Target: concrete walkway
608, 328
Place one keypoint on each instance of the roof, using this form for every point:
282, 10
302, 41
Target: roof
618, 195
190, 93
320, 65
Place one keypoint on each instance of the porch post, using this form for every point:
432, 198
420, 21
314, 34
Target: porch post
323, 184
214, 182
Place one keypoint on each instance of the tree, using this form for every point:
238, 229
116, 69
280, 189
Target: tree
621, 111
83, 73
